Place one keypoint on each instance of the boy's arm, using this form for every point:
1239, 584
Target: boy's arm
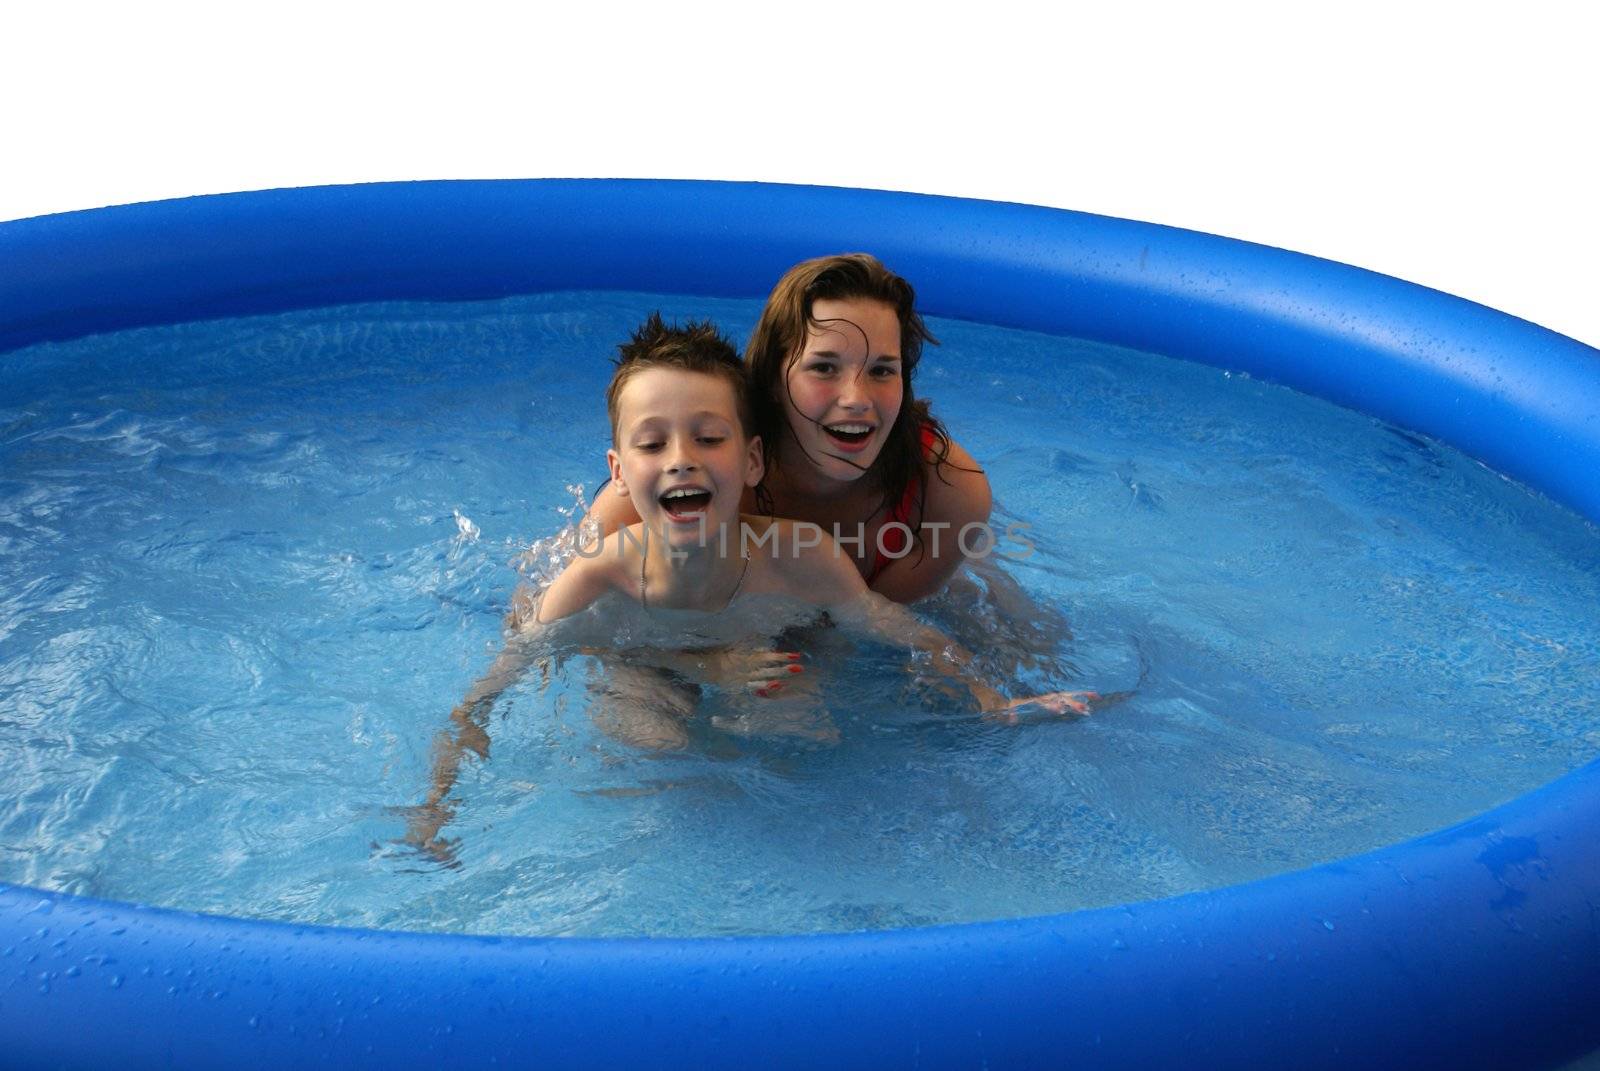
578, 586
470, 719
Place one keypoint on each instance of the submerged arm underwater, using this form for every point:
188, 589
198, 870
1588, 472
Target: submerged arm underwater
645, 699
640, 701
470, 719
890, 623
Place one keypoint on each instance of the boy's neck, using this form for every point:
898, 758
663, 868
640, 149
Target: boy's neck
693, 577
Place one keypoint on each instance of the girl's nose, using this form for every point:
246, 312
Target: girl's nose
853, 395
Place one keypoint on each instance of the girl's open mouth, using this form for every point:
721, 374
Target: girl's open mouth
849, 435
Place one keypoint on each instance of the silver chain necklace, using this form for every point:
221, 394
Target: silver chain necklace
644, 601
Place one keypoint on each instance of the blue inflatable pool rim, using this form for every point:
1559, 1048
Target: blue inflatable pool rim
1476, 946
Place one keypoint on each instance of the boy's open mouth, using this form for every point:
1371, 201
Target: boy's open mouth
849, 434
685, 501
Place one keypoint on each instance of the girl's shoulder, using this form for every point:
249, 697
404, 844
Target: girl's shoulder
955, 487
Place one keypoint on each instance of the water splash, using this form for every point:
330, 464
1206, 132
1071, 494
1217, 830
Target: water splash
466, 531
542, 561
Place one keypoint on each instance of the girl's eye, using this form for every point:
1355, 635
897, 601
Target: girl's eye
822, 368
711, 440
885, 371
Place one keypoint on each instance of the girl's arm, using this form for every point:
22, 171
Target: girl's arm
957, 495
893, 624
612, 510
825, 577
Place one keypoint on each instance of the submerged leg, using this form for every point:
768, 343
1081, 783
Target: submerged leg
642, 706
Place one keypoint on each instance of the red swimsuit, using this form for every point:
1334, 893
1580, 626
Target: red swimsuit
894, 541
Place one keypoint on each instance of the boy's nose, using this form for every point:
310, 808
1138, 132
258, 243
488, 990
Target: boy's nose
682, 459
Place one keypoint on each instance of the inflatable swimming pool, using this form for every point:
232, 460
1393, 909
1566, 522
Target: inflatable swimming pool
1478, 945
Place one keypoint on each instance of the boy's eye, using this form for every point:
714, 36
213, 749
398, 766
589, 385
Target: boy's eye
647, 448
711, 440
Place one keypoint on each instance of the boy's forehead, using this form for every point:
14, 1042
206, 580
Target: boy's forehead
668, 393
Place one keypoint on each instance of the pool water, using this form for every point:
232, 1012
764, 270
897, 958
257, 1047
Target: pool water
248, 567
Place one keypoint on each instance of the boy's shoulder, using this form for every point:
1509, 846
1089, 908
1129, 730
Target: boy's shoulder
780, 538
596, 569
802, 559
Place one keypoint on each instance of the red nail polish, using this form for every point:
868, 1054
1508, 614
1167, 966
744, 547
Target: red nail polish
797, 669
793, 656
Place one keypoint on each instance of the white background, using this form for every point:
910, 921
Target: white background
1449, 144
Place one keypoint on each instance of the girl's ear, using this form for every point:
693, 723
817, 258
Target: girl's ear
614, 463
755, 462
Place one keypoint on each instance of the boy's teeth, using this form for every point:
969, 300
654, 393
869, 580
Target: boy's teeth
685, 500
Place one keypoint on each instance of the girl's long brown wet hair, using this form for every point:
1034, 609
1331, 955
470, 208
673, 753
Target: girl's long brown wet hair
780, 335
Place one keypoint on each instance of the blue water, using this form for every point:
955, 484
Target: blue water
248, 567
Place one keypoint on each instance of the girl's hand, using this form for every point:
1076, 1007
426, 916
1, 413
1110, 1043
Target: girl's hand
773, 671
781, 709
1061, 704
760, 672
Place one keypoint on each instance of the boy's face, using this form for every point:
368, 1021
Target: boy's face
680, 454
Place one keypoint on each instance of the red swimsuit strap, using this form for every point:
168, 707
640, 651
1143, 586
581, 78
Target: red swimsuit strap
895, 542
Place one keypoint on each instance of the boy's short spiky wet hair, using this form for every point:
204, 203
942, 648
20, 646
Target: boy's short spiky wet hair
697, 346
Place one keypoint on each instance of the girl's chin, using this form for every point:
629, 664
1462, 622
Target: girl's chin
850, 470
839, 455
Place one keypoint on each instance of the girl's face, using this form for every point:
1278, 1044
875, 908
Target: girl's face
845, 389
